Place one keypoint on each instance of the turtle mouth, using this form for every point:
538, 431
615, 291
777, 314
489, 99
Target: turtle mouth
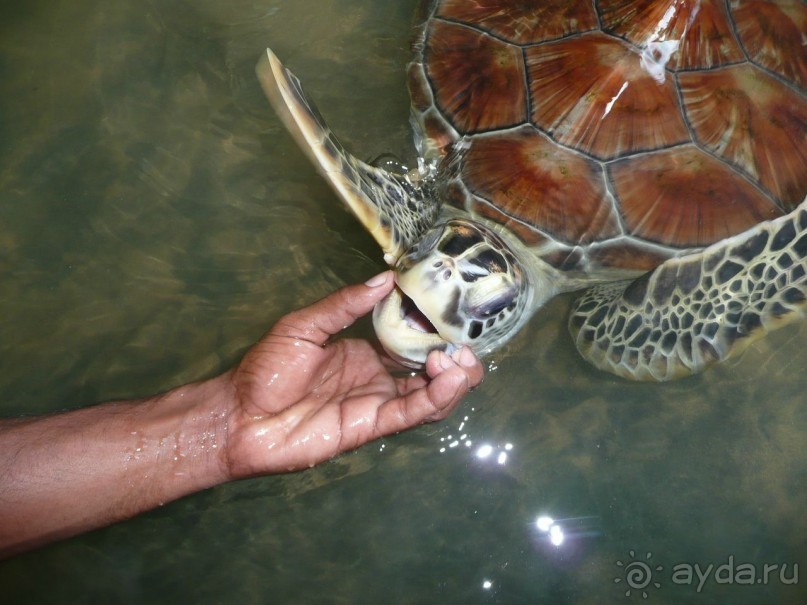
414, 317
404, 330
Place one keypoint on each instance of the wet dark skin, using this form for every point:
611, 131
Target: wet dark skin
297, 398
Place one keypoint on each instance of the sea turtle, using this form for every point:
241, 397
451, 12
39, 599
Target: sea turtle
653, 152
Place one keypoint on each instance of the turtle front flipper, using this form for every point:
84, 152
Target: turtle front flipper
390, 206
699, 309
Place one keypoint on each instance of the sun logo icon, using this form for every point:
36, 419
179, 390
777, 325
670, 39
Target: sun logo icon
638, 575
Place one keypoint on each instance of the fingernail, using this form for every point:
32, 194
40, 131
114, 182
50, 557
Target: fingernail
377, 280
445, 361
467, 358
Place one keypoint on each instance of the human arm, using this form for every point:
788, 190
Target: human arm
296, 399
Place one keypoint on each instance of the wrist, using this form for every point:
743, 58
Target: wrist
201, 437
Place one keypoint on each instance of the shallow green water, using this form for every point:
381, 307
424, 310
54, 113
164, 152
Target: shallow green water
155, 219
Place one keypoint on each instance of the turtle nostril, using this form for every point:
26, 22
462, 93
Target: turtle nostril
437, 264
446, 274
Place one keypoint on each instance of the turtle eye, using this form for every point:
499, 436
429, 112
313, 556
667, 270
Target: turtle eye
471, 273
491, 298
494, 307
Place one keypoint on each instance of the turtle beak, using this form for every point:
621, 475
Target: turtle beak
405, 333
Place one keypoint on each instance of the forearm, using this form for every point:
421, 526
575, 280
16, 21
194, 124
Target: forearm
64, 474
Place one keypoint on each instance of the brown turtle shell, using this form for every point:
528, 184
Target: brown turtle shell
611, 138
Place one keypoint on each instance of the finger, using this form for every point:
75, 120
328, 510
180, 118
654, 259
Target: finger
437, 362
437, 399
321, 320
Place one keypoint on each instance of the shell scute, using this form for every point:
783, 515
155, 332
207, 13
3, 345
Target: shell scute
773, 33
683, 197
591, 93
479, 81
753, 122
529, 178
701, 28
627, 254
524, 22
609, 141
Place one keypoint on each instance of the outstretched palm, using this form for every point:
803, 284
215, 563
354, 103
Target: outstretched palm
302, 399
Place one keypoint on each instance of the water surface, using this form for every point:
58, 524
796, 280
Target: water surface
155, 219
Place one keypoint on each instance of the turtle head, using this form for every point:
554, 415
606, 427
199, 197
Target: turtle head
460, 284
458, 281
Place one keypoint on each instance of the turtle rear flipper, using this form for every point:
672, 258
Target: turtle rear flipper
390, 207
699, 309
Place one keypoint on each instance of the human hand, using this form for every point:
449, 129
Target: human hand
302, 398
296, 399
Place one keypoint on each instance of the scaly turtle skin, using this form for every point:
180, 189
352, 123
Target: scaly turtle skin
653, 152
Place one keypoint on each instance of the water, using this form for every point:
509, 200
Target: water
155, 220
